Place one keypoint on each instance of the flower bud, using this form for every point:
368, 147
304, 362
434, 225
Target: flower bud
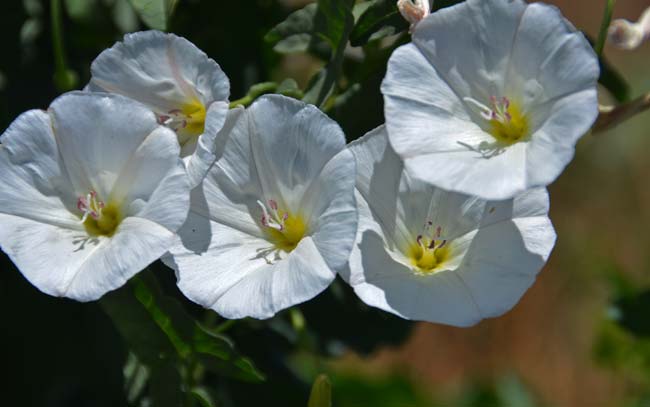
628, 35
413, 10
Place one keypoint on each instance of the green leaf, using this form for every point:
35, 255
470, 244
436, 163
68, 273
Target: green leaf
321, 392
80, 9
124, 16
140, 332
155, 13
203, 396
166, 313
218, 354
333, 23
136, 376
382, 18
295, 34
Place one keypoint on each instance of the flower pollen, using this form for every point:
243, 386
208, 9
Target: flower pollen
507, 122
98, 218
430, 249
284, 229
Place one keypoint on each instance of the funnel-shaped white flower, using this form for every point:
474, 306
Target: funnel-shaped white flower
91, 192
187, 90
275, 218
491, 97
426, 254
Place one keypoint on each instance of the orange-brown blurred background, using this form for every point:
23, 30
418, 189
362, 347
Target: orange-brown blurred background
600, 207
558, 346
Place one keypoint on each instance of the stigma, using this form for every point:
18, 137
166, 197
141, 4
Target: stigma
506, 121
285, 230
430, 249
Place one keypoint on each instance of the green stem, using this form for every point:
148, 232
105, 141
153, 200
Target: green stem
64, 79
604, 25
57, 36
224, 326
254, 92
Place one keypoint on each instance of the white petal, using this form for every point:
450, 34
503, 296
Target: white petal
272, 288
160, 70
552, 146
503, 261
291, 142
479, 49
63, 262
96, 135
496, 247
34, 183
554, 53
218, 125
231, 272
331, 207
469, 44
393, 287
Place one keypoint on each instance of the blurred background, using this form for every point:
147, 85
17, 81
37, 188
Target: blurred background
579, 337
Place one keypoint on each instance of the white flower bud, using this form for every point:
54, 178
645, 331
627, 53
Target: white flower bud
414, 10
628, 35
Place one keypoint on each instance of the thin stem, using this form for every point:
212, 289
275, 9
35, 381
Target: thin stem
224, 326
57, 36
604, 25
254, 92
612, 116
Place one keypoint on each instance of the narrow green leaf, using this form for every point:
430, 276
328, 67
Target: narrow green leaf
162, 309
381, 19
295, 34
135, 325
218, 354
334, 22
155, 13
204, 397
136, 376
321, 392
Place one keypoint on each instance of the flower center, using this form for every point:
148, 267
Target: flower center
430, 249
188, 121
507, 122
284, 229
98, 218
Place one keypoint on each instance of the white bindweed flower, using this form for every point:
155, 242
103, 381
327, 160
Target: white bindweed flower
275, 218
187, 90
427, 254
91, 192
628, 35
491, 97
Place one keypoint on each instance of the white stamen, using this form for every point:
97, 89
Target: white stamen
90, 206
272, 219
498, 112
